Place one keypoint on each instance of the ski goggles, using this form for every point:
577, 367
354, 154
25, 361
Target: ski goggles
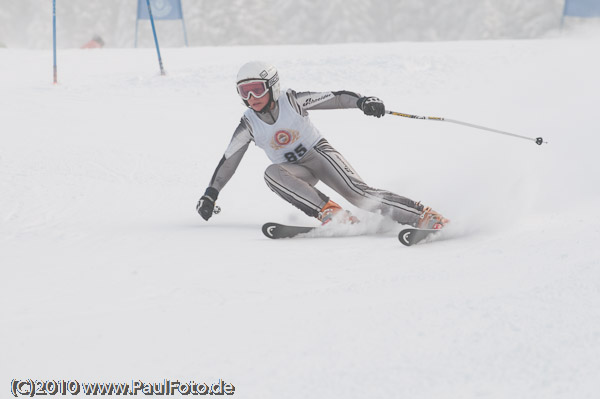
258, 88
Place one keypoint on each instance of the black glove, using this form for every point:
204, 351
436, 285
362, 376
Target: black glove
206, 205
371, 106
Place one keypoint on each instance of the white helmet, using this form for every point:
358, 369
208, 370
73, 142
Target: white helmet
259, 71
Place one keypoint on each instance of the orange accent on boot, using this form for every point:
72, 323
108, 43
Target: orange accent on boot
331, 205
326, 214
331, 210
430, 219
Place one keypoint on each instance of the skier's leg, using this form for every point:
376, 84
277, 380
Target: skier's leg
295, 184
333, 170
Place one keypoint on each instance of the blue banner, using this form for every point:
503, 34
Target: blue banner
161, 9
582, 8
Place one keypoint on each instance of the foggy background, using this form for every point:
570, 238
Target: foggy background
28, 23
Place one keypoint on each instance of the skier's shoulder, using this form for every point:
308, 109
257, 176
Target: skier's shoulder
300, 96
291, 96
246, 115
244, 127
288, 94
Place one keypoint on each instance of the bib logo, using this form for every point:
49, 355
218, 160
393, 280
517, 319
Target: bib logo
284, 137
161, 8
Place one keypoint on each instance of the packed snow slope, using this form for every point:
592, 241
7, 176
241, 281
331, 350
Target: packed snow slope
108, 273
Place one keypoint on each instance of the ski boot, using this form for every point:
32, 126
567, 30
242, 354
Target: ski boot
332, 211
430, 219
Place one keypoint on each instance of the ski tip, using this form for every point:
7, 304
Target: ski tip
405, 237
413, 236
276, 230
268, 230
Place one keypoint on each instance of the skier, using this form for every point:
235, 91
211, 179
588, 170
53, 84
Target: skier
277, 121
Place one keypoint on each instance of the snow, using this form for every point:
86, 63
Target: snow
108, 274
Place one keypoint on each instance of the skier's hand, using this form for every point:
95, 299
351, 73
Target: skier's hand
206, 204
371, 106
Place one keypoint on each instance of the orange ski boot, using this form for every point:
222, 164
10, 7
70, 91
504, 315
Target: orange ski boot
430, 219
332, 211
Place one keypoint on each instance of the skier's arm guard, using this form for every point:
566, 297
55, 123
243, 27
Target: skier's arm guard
308, 100
226, 168
233, 156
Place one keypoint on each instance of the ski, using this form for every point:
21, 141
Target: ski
276, 230
413, 236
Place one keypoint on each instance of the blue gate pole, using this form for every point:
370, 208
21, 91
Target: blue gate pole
162, 70
184, 31
562, 19
54, 39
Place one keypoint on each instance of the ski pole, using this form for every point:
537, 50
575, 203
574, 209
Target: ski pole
538, 140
